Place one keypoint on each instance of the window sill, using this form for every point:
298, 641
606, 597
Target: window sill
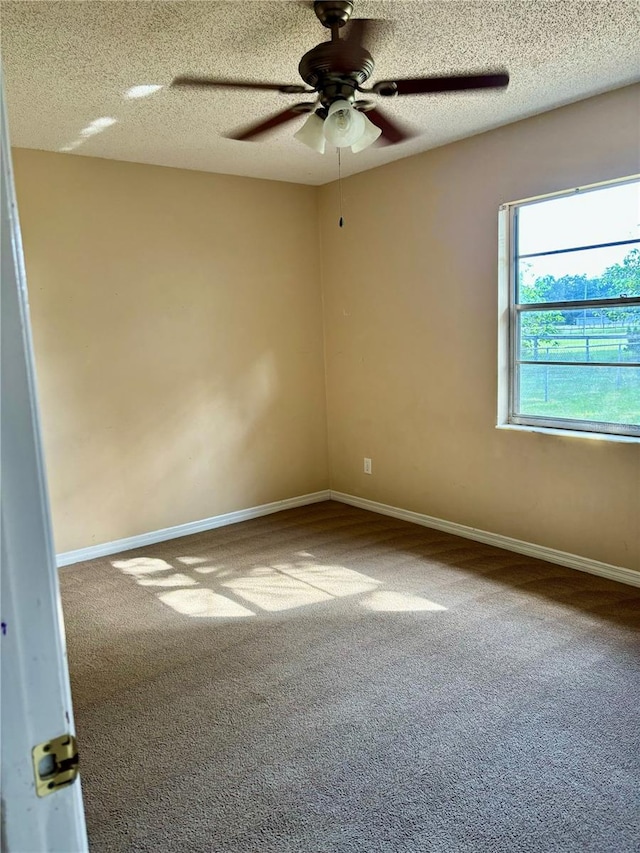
571, 433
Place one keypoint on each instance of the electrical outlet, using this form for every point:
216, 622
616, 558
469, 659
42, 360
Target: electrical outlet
367, 465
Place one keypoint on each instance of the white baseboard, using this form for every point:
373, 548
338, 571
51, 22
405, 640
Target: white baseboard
155, 536
551, 555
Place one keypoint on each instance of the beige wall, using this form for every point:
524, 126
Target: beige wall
410, 293
178, 335
178, 331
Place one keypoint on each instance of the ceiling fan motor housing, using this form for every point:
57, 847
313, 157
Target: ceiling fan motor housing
333, 13
335, 73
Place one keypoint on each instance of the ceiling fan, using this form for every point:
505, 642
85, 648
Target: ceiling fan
335, 72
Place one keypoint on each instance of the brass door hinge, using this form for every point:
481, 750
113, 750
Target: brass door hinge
55, 764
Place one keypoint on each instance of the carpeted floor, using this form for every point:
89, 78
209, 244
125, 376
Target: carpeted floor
328, 680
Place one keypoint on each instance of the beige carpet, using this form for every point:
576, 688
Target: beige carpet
328, 679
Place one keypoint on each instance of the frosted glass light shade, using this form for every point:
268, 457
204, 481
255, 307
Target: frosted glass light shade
311, 133
370, 134
343, 126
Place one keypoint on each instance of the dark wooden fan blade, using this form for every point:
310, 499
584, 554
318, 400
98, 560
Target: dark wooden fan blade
210, 83
254, 130
391, 132
433, 85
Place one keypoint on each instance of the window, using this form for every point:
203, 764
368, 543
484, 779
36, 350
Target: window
570, 310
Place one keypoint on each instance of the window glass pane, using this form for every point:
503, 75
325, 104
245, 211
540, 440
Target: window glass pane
610, 394
588, 274
586, 334
581, 219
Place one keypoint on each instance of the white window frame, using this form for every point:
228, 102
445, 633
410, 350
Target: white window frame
508, 312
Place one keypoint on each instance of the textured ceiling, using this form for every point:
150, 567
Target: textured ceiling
68, 64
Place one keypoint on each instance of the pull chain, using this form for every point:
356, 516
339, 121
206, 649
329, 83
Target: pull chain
341, 222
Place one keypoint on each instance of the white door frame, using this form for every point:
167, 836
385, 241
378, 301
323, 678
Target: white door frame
36, 698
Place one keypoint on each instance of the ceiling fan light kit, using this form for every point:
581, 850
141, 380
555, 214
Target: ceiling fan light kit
311, 133
335, 72
369, 135
343, 127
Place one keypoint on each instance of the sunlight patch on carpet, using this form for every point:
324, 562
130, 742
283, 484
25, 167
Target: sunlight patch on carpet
272, 590
137, 566
389, 601
219, 571
336, 580
204, 602
173, 580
